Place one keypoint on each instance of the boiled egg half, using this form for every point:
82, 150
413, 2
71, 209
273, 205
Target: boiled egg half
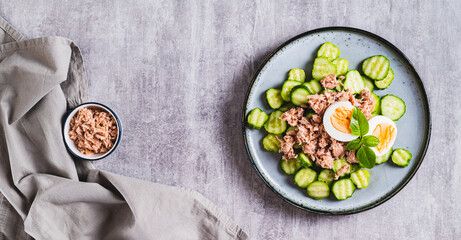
337, 120
385, 130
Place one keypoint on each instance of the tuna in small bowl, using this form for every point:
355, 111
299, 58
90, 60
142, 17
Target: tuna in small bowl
92, 131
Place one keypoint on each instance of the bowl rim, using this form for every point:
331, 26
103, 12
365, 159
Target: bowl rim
426, 107
74, 111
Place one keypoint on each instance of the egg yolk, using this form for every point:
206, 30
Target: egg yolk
385, 133
341, 119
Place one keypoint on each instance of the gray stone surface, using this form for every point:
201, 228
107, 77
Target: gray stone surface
176, 72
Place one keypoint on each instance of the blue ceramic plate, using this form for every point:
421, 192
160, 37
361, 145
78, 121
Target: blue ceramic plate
356, 45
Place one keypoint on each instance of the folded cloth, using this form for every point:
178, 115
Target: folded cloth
58, 197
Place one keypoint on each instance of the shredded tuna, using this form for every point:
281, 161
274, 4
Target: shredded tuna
292, 116
342, 77
93, 131
342, 171
330, 81
310, 132
351, 157
338, 149
286, 147
366, 104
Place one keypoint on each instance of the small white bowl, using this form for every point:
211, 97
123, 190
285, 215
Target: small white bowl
70, 143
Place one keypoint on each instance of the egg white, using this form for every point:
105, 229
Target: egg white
330, 129
373, 123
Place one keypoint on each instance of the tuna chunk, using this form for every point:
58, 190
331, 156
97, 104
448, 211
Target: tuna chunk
330, 81
292, 116
351, 157
286, 147
338, 149
366, 104
342, 171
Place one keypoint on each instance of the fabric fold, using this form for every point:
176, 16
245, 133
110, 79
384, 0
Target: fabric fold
58, 197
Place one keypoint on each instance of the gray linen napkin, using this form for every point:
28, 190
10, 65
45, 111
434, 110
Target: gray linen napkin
51, 196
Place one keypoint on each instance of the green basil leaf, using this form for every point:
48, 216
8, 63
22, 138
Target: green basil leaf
359, 123
370, 141
354, 144
366, 157
355, 125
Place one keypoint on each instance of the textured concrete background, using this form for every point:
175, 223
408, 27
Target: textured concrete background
177, 72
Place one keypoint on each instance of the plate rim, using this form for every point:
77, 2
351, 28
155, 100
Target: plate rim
425, 100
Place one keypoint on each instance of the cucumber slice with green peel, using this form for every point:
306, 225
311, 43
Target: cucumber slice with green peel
286, 89
291, 128
343, 189
274, 124
327, 176
296, 74
290, 167
354, 81
392, 107
286, 107
376, 67
271, 143
401, 157
342, 66
329, 51
355, 167
314, 86
368, 83
274, 98
299, 95
384, 158
310, 114
318, 190
386, 82
322, 67
257, 118
304, 177
304, 160
377, 108
338, 164
360, 178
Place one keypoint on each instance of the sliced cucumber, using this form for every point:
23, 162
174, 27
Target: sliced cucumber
271, 143
290, 167
310, 114
296, 74
354, 81
299, 95
257, 118
304, 160
368, 83
273, 97
286, 107
314, 86
274, 124
343, 189
327, 176
376, 67
338, 164
392, 107
329, 51
286, 89
377, 109
401, 157
318, 190
384, 158
342, 66
322, 67
386, 82
355, 167
304, 177
360, 178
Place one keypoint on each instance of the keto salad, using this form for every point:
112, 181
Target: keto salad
332, 128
